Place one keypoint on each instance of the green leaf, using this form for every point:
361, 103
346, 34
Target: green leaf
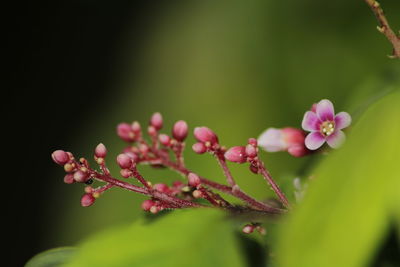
183, 238
52, 257
353, 197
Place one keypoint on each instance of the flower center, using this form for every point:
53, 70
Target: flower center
327, 128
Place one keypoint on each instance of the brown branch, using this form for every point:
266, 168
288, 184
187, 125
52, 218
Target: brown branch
384, 27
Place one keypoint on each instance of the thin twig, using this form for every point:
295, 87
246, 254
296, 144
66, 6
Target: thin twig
384, 27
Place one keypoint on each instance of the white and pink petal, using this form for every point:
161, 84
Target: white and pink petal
336, 139
310, 122
342, 120
314, 140
325, 110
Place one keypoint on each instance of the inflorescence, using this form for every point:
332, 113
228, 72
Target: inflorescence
162, 150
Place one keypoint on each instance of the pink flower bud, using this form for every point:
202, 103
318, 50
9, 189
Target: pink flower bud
156, 121
136, 127
248, 229
180, 130
124, 161
87, 200
293, 136
100, 151
126, 173
253, 169
164, 139
151, 130
199, 148
154, 209
147, 204
236, 154
194, 179
143, 148
299, 150
60, 157
163, 188
69, 178
197, 194
251, 151
125, 132
80, 176
204, 134
132, 155
252, 141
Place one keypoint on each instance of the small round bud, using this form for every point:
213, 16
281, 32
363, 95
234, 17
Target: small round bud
199, 148
125, 132
251, 151
261, 230
89, 189
151, 130
154, 209
69, 178
298, 150
96, 194
156, 121
164, 139
143, 148
248, 229
124, 161
69, 167
194, 179
147, 204
126, 173
87, 200
252, 141
197, 194
80, 176
236, 154
180, 130
60, 157
163, 188
136, 127
100, 151
204, 134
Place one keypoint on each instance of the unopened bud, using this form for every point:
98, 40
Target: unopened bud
87, 200
125, 132
248, 229
236, 154
69, 178
251, 151
136, 127
194, 179
154, 209
199, 148
164, 139
252, 141
180, 130
69, 167
143, 148
204, 134
156, 121
197, 194
80, 176
151, 130
126, 173
60, 157
124, 161
163, 188
89, 189
100, 151
298, 150
147, 204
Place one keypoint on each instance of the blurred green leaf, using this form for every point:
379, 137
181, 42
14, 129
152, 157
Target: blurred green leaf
352, 200
52, 257
182, 238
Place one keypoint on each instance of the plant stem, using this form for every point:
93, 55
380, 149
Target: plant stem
267, 176
384, 27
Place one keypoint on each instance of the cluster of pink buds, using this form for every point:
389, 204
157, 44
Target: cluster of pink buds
194, 191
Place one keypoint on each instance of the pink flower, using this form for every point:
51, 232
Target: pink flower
236, 154
324, 125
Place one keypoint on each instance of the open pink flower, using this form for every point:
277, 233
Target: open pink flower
324, 125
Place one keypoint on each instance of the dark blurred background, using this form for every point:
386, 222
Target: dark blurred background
81, 67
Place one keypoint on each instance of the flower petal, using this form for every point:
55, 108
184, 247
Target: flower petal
314, 140
325, 110
342, 120
310, 121
336, 139
272, 140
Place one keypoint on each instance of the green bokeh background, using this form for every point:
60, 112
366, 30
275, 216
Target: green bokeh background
237, 67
